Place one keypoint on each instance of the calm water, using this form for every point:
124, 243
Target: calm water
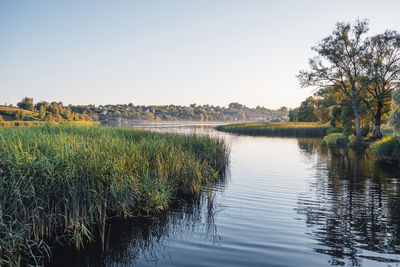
283, 202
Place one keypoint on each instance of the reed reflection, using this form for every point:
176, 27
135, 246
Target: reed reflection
146, 238
352, 209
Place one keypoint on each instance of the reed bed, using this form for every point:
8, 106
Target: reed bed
62, 183
289, 129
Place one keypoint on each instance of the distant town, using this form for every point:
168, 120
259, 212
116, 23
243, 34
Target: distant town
27, 110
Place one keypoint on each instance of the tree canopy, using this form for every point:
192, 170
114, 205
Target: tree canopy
352, 70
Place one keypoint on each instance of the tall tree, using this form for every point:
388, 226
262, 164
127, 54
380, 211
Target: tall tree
382, 61
307, 110
339, 63
26, 103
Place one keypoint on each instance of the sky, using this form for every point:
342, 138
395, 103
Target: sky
163, 52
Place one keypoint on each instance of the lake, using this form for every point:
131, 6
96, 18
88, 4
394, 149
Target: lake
282, 202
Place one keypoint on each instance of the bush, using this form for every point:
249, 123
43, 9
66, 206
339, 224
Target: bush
336, 139
332, 130
19, 116
387, 148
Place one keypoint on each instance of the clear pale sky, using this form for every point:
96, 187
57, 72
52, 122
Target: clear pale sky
169, 52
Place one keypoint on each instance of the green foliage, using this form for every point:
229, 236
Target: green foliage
395, 113
307, 111
346, 119
293, 129
331, 130
352, 141
26, 103
67, 181
382, 63
387, 148
334, 115
339, 64
43, 111
294, 115
335, 139
358, 72
19, 116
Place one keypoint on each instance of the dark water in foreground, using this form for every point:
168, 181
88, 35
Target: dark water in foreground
283, 202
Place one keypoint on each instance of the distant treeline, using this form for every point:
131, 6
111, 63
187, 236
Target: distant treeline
26, 110
105, 113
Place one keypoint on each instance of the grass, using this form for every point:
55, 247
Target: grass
290, 129
388, 148
336, 139
62, 183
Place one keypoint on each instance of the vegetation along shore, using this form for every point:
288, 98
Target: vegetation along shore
356, 80
62, 183
289, 129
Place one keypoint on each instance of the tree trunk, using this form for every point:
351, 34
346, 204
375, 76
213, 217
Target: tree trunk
378, 116
356, 120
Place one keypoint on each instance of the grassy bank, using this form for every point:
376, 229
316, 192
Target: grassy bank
387, 148
64, 182
8, 113
290, 129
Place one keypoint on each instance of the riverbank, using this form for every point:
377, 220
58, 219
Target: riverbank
62, 183
387, 149
289, 129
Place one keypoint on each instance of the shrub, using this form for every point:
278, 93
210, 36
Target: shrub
19, 116
335, 139
387, 148
331, 130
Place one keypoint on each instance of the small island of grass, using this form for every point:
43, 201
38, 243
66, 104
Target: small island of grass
289, 129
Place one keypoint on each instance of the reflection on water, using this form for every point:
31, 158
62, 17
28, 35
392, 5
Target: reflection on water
352, 208
147, 237
283, 202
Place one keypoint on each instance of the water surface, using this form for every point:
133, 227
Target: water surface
283, 202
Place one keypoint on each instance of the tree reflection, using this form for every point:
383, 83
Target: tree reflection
352, 209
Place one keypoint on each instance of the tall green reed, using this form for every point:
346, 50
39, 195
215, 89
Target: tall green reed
64, 182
